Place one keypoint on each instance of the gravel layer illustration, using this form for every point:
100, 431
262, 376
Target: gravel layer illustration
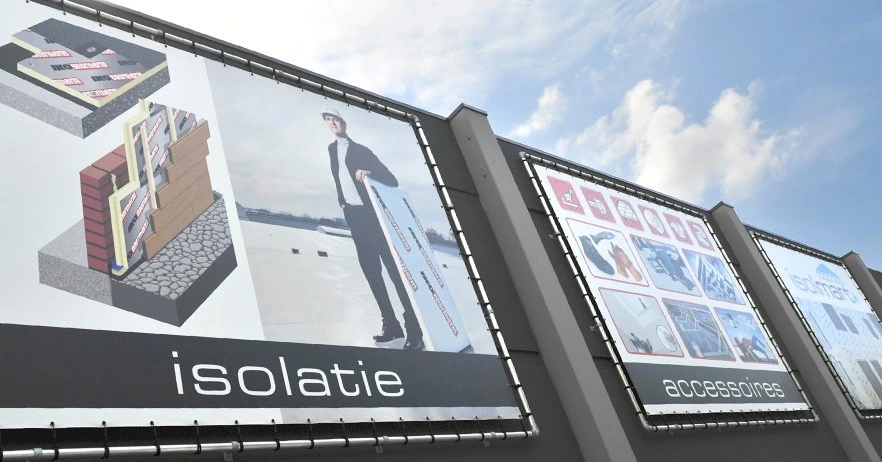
169, 287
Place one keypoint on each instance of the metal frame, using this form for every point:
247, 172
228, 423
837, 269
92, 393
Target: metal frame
758, 236
290, 75
649, 421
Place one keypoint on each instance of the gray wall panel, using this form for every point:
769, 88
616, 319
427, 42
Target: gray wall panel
512, 151
497, 279
581, 310
447, 153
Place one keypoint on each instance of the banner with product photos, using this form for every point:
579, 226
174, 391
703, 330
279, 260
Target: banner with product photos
847, 328
683, 326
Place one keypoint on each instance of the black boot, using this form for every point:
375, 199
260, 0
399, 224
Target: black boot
415, 343
391, 331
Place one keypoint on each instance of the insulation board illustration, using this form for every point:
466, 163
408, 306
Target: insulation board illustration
154, 239
419, 268
75, 79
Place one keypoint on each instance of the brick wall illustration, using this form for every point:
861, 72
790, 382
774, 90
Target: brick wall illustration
97, 183
155, 238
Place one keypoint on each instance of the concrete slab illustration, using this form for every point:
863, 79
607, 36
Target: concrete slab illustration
47, 68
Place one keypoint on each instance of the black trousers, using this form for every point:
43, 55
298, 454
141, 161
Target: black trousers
373, 253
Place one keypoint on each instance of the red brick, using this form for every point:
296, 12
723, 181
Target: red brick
98, 264
99, 240
103, 253
101, 228
94, 177
95, 215
95, 193
97, 205
120, 150
109, 163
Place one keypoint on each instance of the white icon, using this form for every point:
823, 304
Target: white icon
679, 229
701, 236
626, 211
597, 205
567, 199
653, 221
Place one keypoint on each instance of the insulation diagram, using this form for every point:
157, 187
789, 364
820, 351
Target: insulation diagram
155, 238
75, 79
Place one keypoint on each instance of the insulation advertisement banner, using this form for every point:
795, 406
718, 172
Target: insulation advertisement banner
847, 328
187, 242
681, 323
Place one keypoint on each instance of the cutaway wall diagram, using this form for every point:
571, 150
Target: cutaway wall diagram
154, 238
75, 79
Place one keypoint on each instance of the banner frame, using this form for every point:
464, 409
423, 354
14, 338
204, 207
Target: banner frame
650, 422
174, 36
758, 235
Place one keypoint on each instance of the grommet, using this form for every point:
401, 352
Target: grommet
223, 58
106, 444
155, 440
373, 425
132, 28
456, 429
311, 439
481, 429
345, 435
198, 439
276, 432
64, 13
502, 428
54, 436
431, 433
524, 426
403, 432
239, 434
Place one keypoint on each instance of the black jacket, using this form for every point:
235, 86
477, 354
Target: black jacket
359, 157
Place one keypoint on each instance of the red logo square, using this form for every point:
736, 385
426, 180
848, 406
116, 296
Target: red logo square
701, 235
566, 195
678, 229
598, 205
627, 213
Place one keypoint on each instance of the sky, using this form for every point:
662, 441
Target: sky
773, 107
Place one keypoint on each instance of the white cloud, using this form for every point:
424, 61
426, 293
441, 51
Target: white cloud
432, 54
549, 109
649, 138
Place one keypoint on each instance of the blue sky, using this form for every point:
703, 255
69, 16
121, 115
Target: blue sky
774, 107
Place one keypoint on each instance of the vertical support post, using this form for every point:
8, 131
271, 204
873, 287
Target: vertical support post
806, 358
865, 280
576, 378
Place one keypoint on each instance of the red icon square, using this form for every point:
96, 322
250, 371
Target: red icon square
566, 195
701, 235
678, 229
656, 226
598, 205
627, 213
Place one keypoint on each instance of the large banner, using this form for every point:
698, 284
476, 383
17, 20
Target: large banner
688, 338
184, 241
847, 328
